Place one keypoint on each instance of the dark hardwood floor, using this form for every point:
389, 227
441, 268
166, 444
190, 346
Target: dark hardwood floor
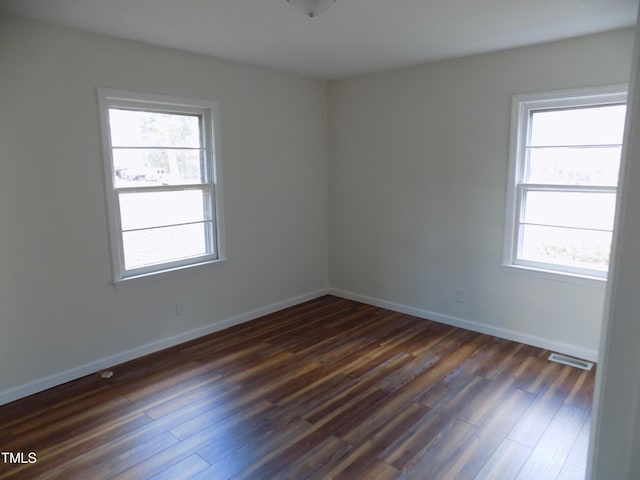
327, 389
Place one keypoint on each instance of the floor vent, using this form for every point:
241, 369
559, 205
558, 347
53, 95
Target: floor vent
572, 362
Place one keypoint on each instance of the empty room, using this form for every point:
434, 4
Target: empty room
316, 239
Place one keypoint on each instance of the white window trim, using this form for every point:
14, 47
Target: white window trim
108, 98
521, 105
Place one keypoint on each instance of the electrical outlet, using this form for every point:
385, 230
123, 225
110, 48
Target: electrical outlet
179, 309
459, 296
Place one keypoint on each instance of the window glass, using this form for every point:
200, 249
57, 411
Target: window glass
139, 128
602, 125
142, 167
574, 166
570, 209
584, 249
152, 209
164, 244
565, 162
160, 181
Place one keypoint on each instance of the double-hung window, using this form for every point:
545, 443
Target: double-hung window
565, 156
163, 196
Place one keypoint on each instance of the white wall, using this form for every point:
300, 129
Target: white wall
417, 184
418, 179
60, 316
615, 438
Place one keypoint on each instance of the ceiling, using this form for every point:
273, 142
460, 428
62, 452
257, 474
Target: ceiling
352, 37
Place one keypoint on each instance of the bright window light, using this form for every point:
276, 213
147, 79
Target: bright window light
162, 182
565, 160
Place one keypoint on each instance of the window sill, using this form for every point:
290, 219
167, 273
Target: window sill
163, 274
556, 276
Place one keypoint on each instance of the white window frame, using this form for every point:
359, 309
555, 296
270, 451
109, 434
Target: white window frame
208, 112
521, 108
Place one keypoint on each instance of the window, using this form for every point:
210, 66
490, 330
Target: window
564, 162
161, 181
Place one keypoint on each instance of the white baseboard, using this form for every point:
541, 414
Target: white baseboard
41, 384
546, 343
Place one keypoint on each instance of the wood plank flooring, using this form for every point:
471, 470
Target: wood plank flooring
327, 389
